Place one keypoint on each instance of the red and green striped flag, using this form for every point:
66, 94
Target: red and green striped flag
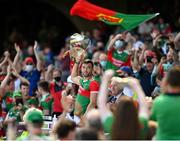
92, 12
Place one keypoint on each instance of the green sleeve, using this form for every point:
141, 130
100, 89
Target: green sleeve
144, 127
107, 123
153, 112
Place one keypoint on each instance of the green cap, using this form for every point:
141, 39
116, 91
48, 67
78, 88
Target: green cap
33, 101
17, 94
33, 115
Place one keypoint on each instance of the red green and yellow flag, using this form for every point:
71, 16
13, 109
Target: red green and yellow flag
92, 12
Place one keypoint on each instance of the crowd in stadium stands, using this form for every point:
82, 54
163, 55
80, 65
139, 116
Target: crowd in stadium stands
128, 87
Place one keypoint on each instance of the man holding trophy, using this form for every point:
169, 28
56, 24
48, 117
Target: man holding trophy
88, 87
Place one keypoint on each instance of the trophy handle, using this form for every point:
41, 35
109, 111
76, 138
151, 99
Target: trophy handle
65, 54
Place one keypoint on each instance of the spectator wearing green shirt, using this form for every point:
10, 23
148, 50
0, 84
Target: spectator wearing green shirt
166, 107
17, 111
7, 86
34, 121
46, 99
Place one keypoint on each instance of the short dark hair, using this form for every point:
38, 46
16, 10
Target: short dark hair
97, 64
86, 134
44, 85
24, 84
173, 77
88, 61
64, 127
95, 124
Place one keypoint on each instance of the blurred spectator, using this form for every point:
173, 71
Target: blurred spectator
163, 27
165, 107
46, 99
94, 122
17, 111
117, 54
48, 55
64, 130
118, 125
145, 28
97, 71
103, 60
96, 37
68, 103
31, 71
56, 88
86, 134
34, 121
63, 62
145, 72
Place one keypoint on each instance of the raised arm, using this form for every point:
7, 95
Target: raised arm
22, 79
17, 58
143, 107
48, 73
6, 54
136, 65
38, 66
74, 74
141, 57
112, 41
177, 41
4, 82
102, 97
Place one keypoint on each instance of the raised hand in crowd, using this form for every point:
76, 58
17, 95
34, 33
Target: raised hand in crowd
6, 79
48, 73
17, 75
6, 57
17, 60
102, 97
177, 41
39, 62
113, 40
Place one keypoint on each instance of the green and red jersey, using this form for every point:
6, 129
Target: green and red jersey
117, 60
8, 100
46, 102
86, 88
15, 113
33, 101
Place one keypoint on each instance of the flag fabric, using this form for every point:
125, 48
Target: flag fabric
92, 12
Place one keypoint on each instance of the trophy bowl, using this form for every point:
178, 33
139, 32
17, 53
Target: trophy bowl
78, 45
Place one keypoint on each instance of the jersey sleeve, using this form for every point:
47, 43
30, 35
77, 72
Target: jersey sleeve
143, 127
153, 112
107, 123
94, 87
